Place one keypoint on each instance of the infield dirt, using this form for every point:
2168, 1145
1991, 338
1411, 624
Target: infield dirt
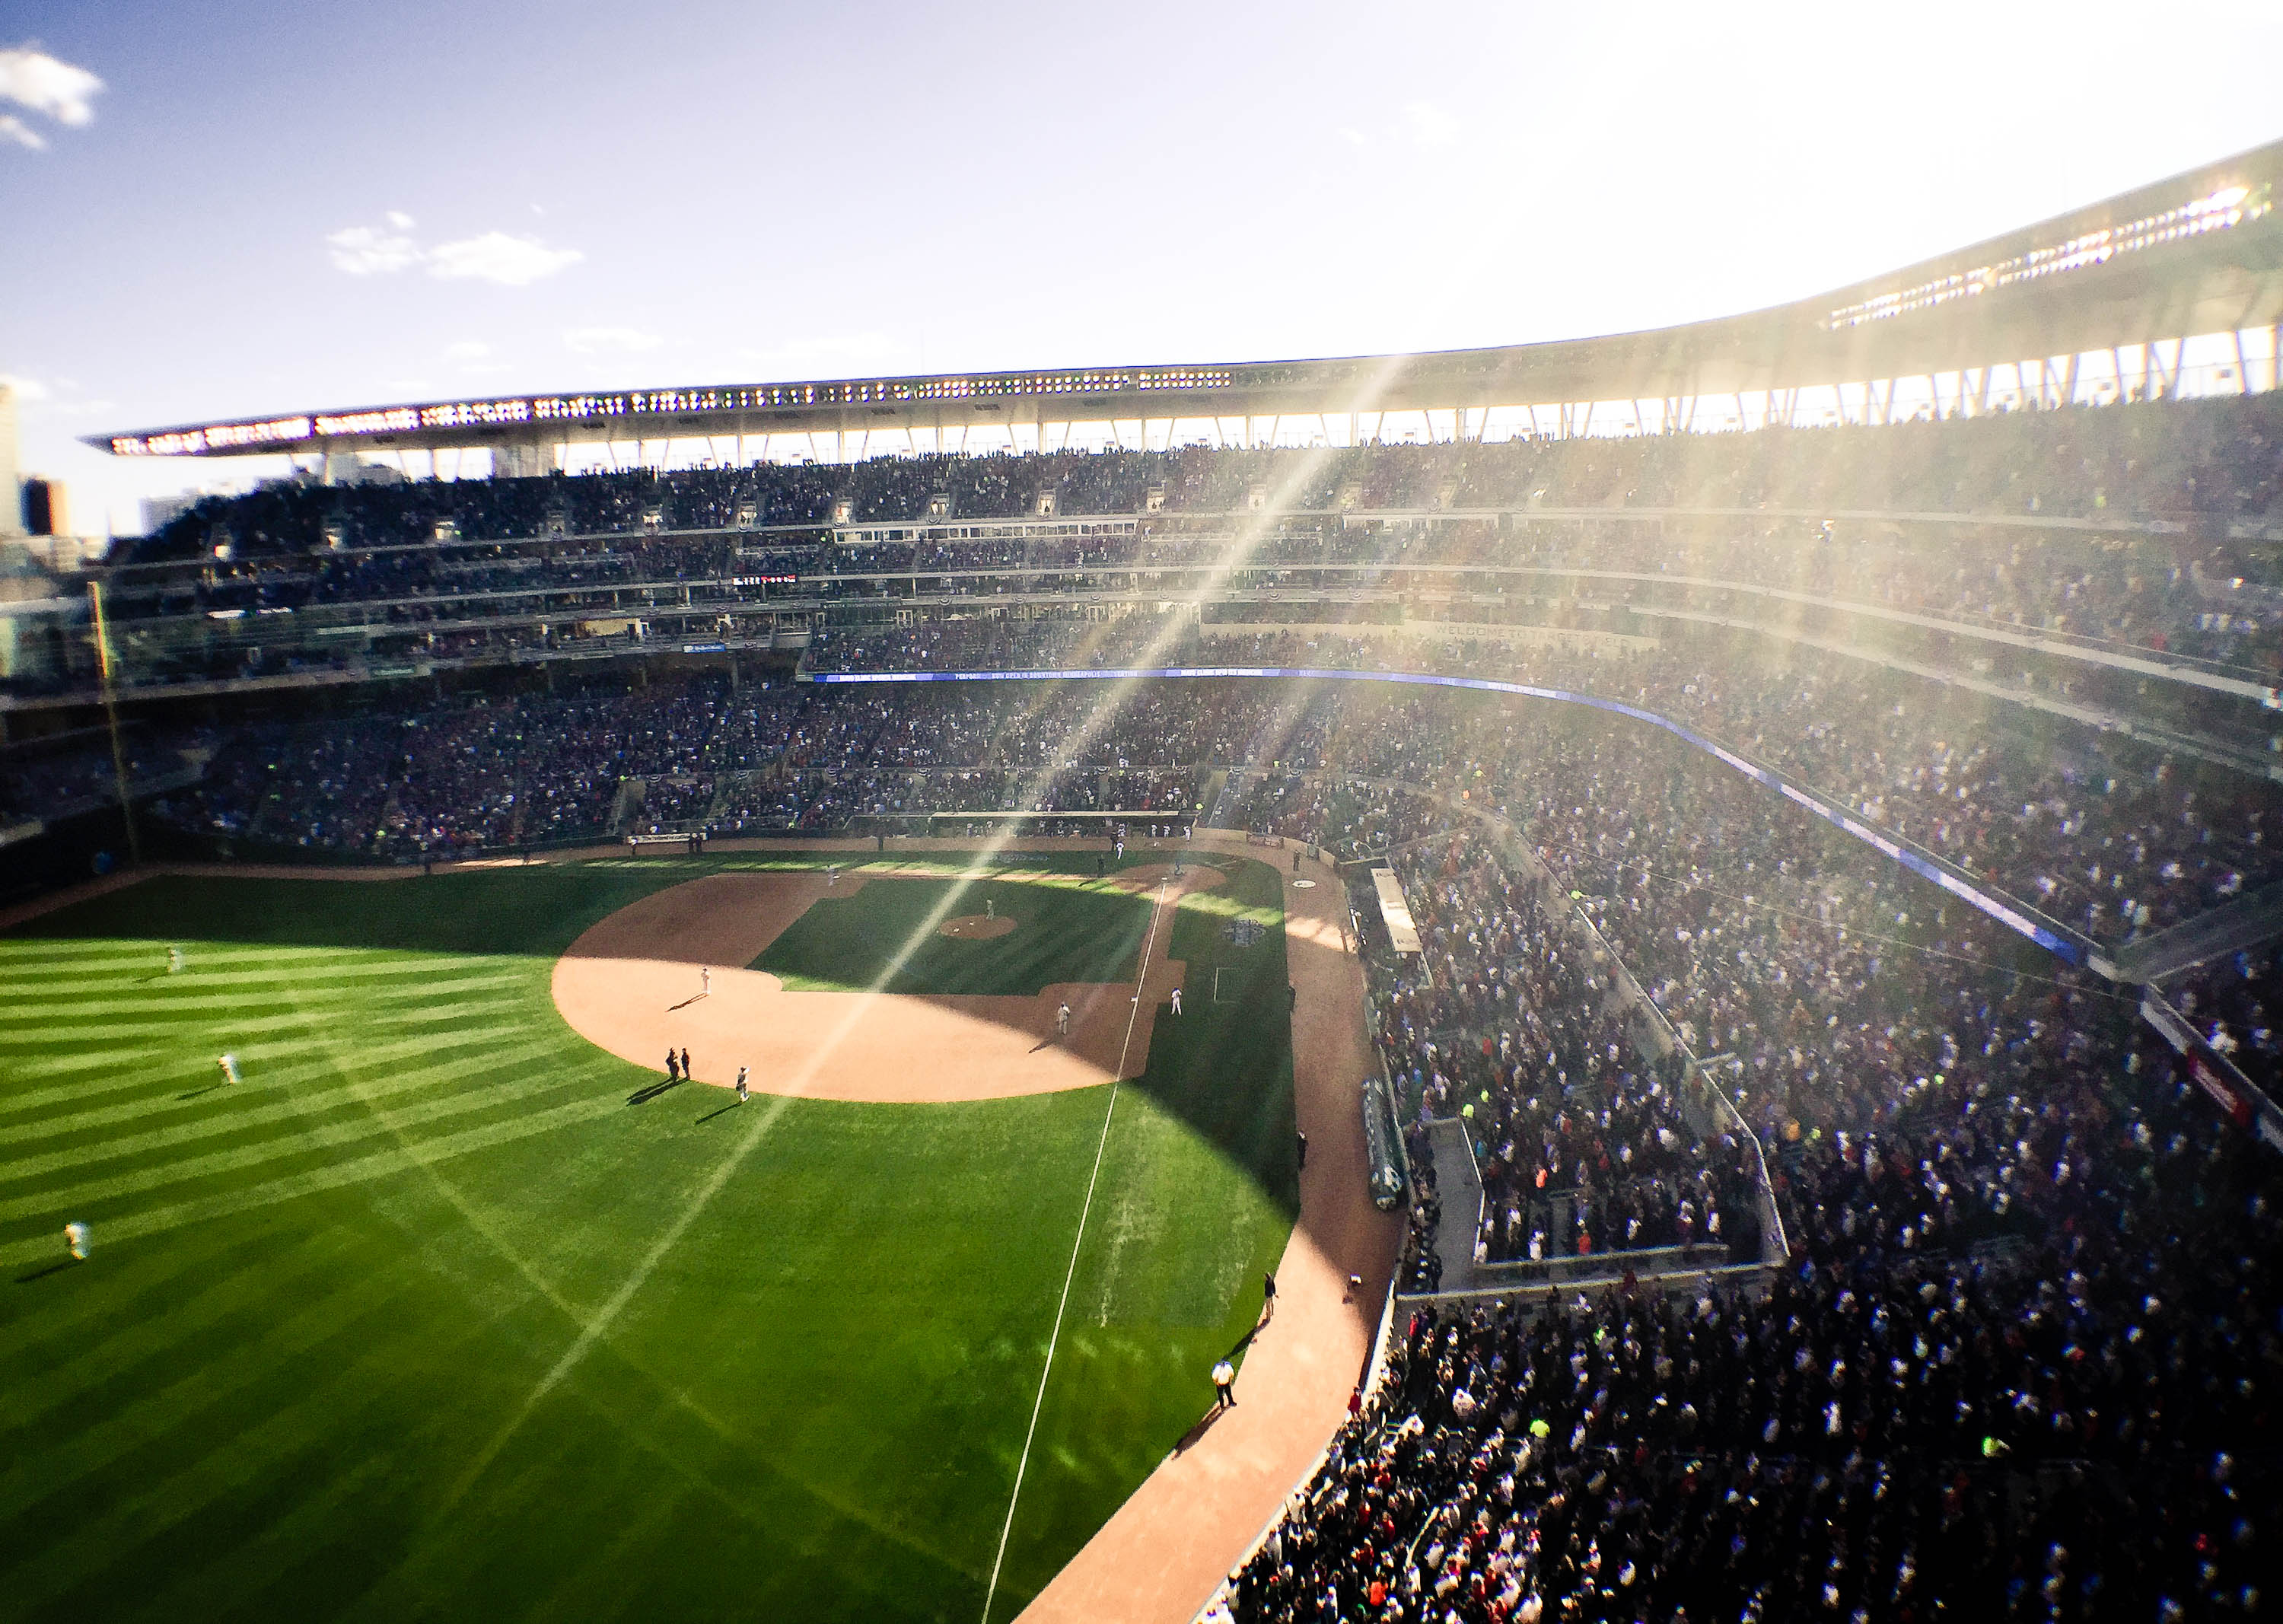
632, 984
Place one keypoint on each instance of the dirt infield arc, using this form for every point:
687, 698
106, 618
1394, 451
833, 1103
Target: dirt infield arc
631, 984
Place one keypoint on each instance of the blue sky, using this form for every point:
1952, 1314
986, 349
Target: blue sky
272, 206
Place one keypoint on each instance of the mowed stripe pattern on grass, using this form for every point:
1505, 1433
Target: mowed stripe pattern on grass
317, 1296
355, 1065
287, 1339
313, 1291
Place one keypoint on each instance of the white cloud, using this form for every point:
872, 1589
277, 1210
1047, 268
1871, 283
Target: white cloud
609, 340
467, 349
36, 80
511, 262
1430, 126
367, 251
1353, 138
54, 398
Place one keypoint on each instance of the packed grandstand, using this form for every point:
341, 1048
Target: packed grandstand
1832, 1072
1936, 1274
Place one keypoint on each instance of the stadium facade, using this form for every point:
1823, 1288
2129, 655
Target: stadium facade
2106, 302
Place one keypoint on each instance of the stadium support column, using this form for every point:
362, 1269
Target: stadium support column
111, 714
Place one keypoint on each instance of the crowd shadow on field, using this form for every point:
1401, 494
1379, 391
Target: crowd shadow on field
642, 1097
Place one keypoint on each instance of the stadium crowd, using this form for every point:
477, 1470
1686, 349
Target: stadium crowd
2108, 836
2023, 1338
2018, 1359
500, 555
2221, 456
1580, 1139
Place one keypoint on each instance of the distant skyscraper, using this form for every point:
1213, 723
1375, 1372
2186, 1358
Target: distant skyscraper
44, 512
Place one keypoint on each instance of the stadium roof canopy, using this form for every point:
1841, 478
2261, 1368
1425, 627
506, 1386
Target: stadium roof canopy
2199, 253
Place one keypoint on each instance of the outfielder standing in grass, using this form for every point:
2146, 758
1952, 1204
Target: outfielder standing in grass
174, 961
76, 1240
228, 1064
740, 1085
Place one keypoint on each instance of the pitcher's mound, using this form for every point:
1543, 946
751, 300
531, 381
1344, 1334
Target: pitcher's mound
975, 927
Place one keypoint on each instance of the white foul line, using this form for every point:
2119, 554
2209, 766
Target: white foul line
1140, 980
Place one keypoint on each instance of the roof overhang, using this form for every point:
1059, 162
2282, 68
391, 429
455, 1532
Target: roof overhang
2200, 253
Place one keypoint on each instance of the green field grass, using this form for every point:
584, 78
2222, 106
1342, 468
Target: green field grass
883, 935
424, 1319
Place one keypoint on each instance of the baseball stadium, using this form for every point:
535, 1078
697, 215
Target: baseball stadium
1615, 978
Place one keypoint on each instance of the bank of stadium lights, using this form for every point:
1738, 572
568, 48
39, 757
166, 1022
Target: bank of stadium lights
283, 432
2230, 206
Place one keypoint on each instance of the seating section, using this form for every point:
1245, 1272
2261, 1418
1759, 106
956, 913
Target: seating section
1786, 1237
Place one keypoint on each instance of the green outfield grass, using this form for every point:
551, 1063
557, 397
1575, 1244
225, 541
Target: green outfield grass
423, 1318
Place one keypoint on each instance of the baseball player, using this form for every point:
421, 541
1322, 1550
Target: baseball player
706, 980
174, 961
1177, 1001
228, 1064
740, 1085
990, 908
831, 873
1062, 1021
1224, 1381
76, 1240
672, 1063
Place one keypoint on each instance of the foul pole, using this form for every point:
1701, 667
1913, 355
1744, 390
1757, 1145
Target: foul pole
111, 714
